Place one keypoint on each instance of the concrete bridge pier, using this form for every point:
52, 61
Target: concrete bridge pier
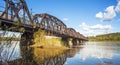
67, 41
26, 39
78, 42
81, 42
75, 41
70, 43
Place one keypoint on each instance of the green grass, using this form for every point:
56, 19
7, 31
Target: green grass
41, 40
9, 39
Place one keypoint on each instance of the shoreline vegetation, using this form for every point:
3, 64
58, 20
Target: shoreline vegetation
41, 41
49, 43
40, 38
112, 37
9, 39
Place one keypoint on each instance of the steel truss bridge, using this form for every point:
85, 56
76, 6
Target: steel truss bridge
15, 15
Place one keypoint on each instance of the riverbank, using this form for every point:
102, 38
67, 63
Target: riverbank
9, 39
111, 37
50, 47
53, 43
41, 40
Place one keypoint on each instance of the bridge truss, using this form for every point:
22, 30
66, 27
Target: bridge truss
18, 11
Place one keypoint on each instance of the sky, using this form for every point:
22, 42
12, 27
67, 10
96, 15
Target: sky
89, 17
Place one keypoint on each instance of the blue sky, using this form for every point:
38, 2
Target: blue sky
89, 17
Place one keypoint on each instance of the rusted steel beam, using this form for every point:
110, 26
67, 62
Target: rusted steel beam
51, 22
43, 21
12, 10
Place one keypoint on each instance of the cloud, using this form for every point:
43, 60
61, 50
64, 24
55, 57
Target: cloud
101, 27
107, 15
117, 9
65, 19
99, 15
84, 26
93, 30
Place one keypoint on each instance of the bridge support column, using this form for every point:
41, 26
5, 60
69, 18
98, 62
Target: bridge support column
26, 39
76, 42
70, 43
67, 41
80, 42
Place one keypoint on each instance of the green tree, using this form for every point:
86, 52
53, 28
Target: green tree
39, 38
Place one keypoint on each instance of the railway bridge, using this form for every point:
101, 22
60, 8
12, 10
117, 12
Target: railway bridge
16, 17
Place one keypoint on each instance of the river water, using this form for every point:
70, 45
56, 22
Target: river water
91, 53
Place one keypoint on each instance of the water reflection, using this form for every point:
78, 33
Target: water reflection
47, 56
99, 52
11, 53
96, 54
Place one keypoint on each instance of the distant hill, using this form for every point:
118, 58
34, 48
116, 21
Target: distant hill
106, 37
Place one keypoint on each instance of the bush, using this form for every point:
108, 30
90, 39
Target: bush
41, 40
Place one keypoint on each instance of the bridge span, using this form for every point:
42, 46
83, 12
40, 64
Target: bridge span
16, 17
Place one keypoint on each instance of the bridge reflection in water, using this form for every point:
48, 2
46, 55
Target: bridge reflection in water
11, 53
22, 55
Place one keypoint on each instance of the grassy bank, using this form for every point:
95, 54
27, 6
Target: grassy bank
9, 39
41, 41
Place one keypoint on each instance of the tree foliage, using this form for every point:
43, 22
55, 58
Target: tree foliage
106, 37
39, 38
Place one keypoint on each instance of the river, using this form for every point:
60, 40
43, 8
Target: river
91, 53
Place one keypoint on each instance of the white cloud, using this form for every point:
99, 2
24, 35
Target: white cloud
117, 9
99, 15
85, 26
65, 19
101, 27
107, 15
93, 30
